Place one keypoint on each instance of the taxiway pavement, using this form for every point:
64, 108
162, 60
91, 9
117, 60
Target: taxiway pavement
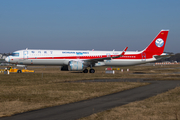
87, 107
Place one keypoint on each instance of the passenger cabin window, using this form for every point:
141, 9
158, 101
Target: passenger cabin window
15, 54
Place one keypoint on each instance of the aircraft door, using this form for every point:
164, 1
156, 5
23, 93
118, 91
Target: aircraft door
143, 56
25, 54
108, 54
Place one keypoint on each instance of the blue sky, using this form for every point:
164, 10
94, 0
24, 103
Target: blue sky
87, 24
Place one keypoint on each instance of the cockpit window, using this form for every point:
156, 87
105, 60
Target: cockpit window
15, 54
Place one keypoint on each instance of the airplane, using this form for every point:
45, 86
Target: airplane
80, 60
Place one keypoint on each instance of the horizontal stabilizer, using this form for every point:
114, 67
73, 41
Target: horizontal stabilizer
158, 57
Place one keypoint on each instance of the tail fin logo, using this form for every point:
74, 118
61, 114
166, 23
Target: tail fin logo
159, 42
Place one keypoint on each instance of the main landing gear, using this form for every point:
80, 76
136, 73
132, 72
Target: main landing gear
90, 71
85, 71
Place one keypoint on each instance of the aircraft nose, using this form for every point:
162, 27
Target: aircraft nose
7, 59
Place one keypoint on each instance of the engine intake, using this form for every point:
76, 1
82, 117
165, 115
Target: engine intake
75, 66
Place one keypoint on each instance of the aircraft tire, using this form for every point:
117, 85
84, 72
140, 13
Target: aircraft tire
92, 71
19, 71
85, 71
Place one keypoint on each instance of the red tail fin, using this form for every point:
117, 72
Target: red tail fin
156, 47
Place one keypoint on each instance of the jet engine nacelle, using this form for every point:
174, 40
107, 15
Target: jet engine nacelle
75, 66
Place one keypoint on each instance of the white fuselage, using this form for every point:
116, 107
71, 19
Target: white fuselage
62, 57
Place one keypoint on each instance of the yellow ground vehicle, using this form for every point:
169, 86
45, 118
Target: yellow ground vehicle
15, 70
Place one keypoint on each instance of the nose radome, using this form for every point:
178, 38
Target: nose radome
7, 59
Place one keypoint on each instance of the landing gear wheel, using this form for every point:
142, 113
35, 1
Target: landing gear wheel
85, 71
19, 71
92, 71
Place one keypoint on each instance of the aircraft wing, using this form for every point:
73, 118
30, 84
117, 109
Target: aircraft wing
106, 58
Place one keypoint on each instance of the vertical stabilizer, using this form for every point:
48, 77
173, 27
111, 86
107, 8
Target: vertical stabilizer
156, 47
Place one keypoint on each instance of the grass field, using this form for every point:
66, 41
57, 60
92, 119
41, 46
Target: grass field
49, 86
